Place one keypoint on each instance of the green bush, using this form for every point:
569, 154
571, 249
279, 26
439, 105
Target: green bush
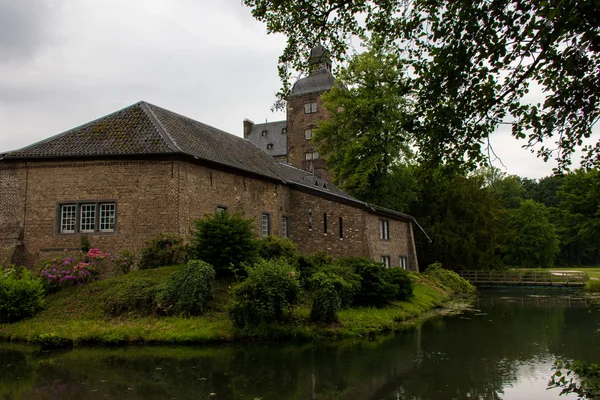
448, 280
165, 249
188, 291
266, 295
275, 247
331, 293
310, 265
375, 290
592, 286
401, 281
21, 294
225, 241
125, 261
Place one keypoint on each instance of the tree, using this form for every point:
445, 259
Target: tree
509, 190
465, 222
365, 139
533, 242
472, 63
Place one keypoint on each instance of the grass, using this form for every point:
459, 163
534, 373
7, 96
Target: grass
592, 272
112, 312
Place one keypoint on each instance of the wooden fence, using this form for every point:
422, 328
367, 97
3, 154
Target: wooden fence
525, 278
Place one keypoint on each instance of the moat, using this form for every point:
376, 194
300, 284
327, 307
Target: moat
503, 349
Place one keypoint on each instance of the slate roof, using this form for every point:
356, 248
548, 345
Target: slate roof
145, 129
276, 135
318, 81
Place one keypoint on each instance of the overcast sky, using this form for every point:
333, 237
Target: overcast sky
66, 62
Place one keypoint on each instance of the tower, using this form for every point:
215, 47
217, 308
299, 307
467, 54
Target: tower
304, 109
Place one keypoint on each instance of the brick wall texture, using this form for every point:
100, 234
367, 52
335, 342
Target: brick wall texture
167, 196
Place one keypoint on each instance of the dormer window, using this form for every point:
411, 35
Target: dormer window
264, 133
269, 146
283, 130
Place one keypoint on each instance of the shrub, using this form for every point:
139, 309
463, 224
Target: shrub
266, 295
224, 241
592, 286
165, 249
331, 293
188, 291
21, 294
275, 247
401, 281
374, 290
448, 280
73, 268
125, 261
310, 265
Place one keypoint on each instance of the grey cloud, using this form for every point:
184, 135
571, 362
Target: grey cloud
25, 27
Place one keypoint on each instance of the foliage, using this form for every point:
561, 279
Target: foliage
266, 295
310, 265
401, 280
330, 293
509, 190
125, 260
592, 286
533, 241
448, 279
165, 249
224, 240
85, 243
188, 291
73, 268
275, 247
374, 290
576, 377
472, 64
465, 223
21, 294
364, 139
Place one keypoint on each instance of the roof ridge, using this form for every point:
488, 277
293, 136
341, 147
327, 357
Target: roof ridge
160, 127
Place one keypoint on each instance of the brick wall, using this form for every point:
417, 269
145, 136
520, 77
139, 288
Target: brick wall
12, 201
400, 241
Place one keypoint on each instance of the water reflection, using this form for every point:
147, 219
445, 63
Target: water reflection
504, 350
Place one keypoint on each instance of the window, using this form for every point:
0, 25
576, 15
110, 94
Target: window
221, 209
86, 217
404, 262
384, 229
341, 228
108, 213
310, 219
269, 146
386, 261
283, 130
325, 223
263, 133
310, 107
311, 155
266, 225
308, 133
285, 227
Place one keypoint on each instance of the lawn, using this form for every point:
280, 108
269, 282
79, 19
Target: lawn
592, 272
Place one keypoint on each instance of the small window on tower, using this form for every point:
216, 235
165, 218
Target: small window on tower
308, 156
308, 133
310, 107
269, 146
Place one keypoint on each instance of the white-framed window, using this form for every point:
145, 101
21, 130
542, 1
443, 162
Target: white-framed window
404, 262
386, 260
265, 229
310, 107
221, 209
384, 229
108, 214
311, 155
68, 214
86, 217
285, 227
308, 133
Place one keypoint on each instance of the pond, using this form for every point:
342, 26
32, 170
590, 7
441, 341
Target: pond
502, 350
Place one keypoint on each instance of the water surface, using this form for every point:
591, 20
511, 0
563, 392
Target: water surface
502, 350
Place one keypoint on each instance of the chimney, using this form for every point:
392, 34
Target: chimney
247, 127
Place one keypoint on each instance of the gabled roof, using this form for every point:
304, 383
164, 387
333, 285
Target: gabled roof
275, 134
145, 129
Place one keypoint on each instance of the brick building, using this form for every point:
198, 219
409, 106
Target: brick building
128, 176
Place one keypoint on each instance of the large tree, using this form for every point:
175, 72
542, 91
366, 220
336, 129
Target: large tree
472, 63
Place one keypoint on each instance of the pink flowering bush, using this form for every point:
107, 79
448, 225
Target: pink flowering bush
73, 268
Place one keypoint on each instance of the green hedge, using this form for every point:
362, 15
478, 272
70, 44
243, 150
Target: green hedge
21, 294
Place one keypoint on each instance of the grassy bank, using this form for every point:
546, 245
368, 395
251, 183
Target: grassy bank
111, 312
